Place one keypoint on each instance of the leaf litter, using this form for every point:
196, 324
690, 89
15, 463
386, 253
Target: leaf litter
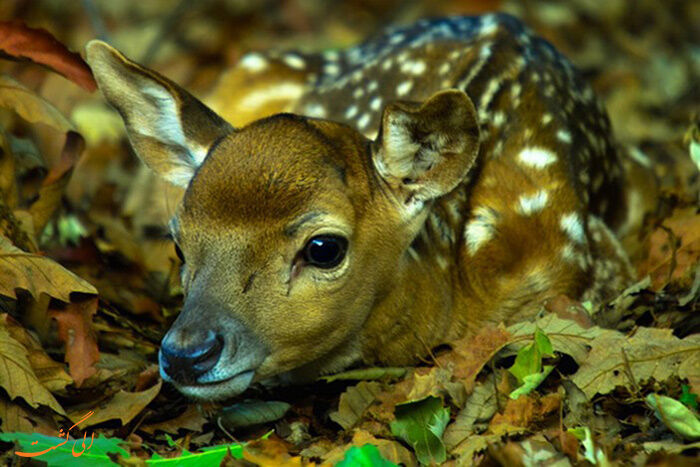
89, 278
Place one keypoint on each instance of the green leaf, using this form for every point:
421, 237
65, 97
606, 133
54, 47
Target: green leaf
676, 416
530, 382
528, 361
421, 424
688, 398
62, 454
365, 456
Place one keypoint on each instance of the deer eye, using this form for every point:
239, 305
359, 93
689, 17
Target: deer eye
325, 251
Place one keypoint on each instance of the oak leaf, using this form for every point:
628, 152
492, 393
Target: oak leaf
650, 353
353, 403
36, 274
17, 377
124, 406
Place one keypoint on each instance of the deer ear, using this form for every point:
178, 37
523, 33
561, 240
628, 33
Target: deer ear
170, 130
424, 151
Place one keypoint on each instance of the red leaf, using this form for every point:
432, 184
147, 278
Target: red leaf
75, 331
38, 45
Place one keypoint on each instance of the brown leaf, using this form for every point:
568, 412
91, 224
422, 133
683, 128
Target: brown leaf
191, 419
30, 106
38, 45
649, 353
674, 250
469, 355
75, 331
49, 372
437, 382
17, 376
526, 410
271, 452
54, 185
17, 418
124, 406
353, 403
480, 406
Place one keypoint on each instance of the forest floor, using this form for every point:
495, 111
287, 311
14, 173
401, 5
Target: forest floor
89, 278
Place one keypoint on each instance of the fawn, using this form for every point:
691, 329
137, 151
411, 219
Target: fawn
440, 177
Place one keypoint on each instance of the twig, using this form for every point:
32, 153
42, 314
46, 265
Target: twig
166, 27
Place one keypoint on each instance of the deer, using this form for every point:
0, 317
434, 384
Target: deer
362, 206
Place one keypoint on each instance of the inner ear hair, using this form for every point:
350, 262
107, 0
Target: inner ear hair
170, 130
427, 149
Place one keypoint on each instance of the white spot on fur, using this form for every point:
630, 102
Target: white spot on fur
351, 112
331, 69
444, 68
372, 86
280, 91
538, 158
376, 103
404, 88
564, 136
254, 62
294, 61
358, 92
573, 227
528, 205
363, 121
499, 118
480, 229
315, 110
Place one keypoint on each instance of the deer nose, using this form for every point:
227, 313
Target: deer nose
185, 363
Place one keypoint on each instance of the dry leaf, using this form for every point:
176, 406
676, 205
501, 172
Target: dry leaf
54, 185
49, 372
469, 355
39, 46
17, 376
480, 406
16, 418
437, 382
75, 331
668, 262
30, 106
271, 452
353, 403
650, 353
191, 419
36, 274
124, 406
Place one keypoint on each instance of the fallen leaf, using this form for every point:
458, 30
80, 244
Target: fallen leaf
53, 186
366, 374
191, 420
469, 355
30, 106
50, 373
270, 452
364, 456
480, 406
38, 45
566, 336
438, 382
526, 410
650, 353
391, 450
252, 412
353, 403
124, 406
36, 274
16, 417
17, 376
75, 331
676, 416
669, 261
421, 424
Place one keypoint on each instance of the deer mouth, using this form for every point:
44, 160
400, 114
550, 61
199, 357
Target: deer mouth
216, 389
